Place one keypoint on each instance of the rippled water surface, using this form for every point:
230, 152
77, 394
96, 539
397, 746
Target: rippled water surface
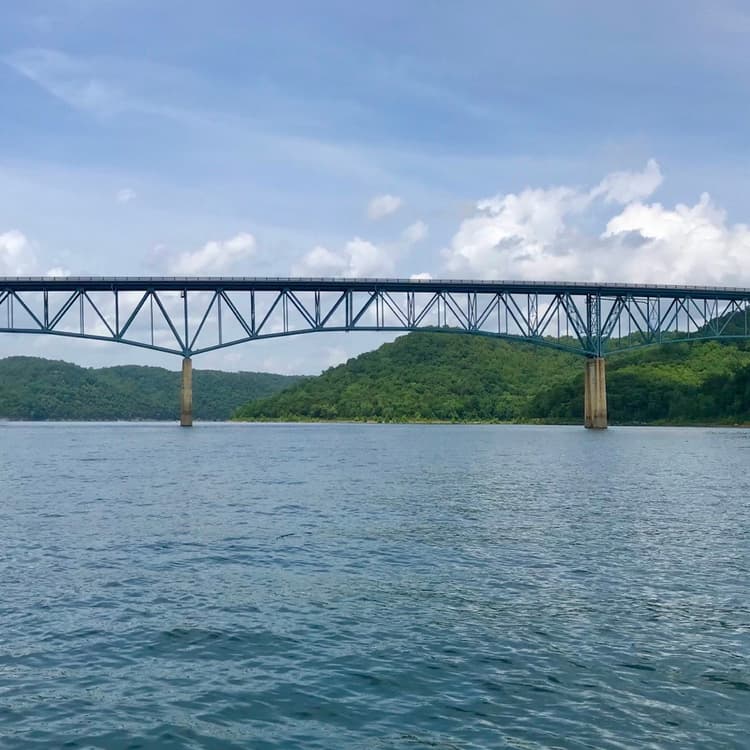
368, 586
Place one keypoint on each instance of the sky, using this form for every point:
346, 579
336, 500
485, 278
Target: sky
546, 140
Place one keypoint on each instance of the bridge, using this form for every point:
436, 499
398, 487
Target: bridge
191, 316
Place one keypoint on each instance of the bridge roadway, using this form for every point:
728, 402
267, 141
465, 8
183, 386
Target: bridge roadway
190, 316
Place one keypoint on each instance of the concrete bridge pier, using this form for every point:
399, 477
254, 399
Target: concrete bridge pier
186, 393
595, 394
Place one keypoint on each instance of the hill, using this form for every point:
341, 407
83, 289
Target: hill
426, 376
38, 389
432, 376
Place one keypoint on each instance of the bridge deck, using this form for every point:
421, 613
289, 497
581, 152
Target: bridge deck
247, 283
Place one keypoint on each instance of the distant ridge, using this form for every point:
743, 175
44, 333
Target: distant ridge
32, 388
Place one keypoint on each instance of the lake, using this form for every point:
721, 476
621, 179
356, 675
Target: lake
373, 586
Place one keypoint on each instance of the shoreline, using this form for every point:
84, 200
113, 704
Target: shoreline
291, 420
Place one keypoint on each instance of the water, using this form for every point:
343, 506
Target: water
367, 586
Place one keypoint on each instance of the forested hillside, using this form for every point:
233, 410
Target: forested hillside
419, 377
434, 376
426, 376
32, 388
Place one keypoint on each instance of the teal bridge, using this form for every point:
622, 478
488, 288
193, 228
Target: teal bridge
191, 316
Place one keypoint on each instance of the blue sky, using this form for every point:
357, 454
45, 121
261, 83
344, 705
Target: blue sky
540, 139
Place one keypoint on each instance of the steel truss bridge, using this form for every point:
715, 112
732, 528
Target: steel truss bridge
190, 316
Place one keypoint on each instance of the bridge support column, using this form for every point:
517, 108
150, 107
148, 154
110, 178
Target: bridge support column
595, 394
186, 393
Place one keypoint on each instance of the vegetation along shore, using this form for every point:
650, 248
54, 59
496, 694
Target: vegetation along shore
420, 377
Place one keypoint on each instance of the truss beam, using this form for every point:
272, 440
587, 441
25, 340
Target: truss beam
189, 316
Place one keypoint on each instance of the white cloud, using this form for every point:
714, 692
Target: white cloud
214, 257
544, 234
513, 234
320, 261
125, 195
359, 258
415, 233
16, 255
625, 187
383, 205
366, 259
683, 244
424, 276
57, 272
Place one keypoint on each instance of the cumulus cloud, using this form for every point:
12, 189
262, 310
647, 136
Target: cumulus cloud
625, 187
512, 234
214, 256
125, 195
366, 259
546, 234
383, 205
686, 243
358, 258
415, 233
16, 255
